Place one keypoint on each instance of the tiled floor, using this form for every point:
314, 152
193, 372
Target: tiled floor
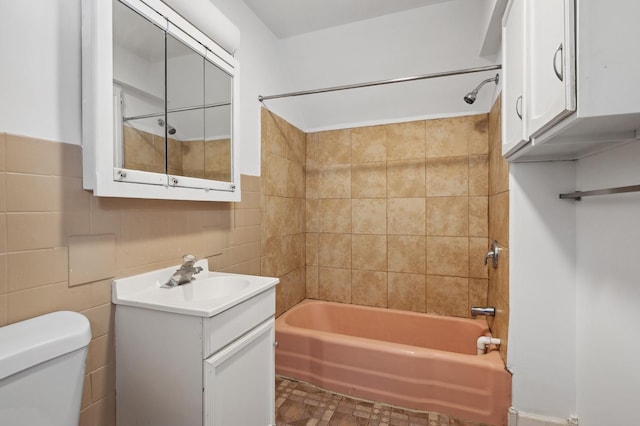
302, 404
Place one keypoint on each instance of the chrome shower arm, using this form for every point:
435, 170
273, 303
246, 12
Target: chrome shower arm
471, 96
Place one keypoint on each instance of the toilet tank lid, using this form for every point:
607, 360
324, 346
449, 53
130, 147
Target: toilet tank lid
36, 340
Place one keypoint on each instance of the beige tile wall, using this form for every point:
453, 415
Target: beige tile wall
60, 247
397, 215
499, 228
283, 201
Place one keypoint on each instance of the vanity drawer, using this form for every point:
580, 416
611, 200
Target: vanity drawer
222, 329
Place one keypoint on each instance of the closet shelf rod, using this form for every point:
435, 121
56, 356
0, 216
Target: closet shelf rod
381, 82
577, 196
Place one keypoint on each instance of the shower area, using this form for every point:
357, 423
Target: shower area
398, 215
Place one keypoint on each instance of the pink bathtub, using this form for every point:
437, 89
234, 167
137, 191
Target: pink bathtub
419, 361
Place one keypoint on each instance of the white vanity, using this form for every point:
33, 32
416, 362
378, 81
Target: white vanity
196, 354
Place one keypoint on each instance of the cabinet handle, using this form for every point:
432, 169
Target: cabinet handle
519, 107
559, 74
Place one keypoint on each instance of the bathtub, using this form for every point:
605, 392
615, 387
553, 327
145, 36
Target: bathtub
418, 361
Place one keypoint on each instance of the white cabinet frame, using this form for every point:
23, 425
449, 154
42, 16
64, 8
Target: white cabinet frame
99, 112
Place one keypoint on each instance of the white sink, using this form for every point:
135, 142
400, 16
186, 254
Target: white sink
207, 295
207, 288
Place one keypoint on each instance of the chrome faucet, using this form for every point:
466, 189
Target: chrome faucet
184, 274
488, 311
493, 254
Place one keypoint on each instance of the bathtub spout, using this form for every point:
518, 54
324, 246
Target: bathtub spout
484, 341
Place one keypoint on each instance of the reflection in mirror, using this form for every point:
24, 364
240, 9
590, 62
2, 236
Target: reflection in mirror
185, 109
198, 101
217, 94
190, 134
138, 79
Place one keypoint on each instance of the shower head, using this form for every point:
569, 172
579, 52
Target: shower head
472, 95
170, 129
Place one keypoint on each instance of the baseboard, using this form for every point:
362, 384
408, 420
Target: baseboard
519, 418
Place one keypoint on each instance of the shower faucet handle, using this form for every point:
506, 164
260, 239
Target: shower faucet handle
493, 254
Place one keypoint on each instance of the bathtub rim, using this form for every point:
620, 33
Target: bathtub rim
492, 356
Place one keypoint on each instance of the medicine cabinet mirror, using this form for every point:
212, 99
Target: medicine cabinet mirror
158, 109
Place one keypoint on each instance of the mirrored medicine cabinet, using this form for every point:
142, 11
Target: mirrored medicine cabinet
158, 105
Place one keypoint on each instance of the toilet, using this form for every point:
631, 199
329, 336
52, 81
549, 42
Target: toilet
42, 363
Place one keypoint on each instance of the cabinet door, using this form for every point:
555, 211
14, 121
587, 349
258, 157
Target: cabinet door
239, 381
513, 63
551, 68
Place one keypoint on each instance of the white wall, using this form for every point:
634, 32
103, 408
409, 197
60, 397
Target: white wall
40, 63
608, 291
542, 289
441, 37
40, 78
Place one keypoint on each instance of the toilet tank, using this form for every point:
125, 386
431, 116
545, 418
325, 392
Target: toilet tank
42, 363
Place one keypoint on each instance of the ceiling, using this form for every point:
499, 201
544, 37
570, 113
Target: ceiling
287, 18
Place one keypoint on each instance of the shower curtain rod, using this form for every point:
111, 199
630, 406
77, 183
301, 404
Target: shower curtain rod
381, 82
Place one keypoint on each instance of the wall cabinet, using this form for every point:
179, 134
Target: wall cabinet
159, 116
551, 70
568, 84
514, 133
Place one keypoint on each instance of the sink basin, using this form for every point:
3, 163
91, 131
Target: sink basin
207, 295
208, 288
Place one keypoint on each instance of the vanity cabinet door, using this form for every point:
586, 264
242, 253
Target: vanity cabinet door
514, 59
550, 72
238, 388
